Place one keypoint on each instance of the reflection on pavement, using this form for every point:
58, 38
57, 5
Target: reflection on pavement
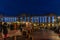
36, 35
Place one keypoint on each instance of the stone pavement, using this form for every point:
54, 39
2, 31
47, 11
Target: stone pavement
13, 33
45, 35
38, 35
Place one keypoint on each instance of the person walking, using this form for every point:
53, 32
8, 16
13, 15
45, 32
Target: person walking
5, 30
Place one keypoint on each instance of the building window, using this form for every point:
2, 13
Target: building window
40, 19
48, 19
52, 19
45, 19
28, 18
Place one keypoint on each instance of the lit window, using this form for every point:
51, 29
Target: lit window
11, 19
15, 18
32, 19
52, 19
25, 19
40, 20
6, 19
49, 19
28, 19
45, 19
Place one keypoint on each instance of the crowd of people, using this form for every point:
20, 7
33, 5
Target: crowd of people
22, 27
26, 31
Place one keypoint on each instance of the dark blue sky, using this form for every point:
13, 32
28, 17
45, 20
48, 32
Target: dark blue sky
14, 7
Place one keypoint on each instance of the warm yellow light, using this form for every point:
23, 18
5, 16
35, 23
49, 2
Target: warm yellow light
49, 25
52, 24
8, 22
35, 25
23, 22
59, 23
27, 24
18, 22
43, 24
2, 23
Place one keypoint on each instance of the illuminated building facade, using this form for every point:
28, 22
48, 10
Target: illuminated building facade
48, 20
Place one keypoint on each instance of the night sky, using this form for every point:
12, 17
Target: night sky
15, 7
